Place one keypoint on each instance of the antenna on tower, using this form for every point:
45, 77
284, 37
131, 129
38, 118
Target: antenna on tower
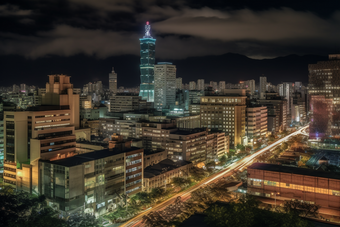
147, 30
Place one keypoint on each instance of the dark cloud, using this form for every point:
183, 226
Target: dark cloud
106, 28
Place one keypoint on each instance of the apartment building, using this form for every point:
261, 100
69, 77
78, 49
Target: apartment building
217, 145
160, 174
256, 121
92, 182
226, 113
287, 183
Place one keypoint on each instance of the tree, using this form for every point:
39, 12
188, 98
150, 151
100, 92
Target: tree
246, 213
240, 147
83, 221
18, 208
181, 182
248, 148
211, 166
223, 159
231, 153
197, 174
301, 208
144, 198
220, 191
284, 146
257, 145
271, 138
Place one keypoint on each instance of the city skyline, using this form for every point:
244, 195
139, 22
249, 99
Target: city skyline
81, 46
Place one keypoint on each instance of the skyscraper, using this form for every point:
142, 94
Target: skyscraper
147, 61
113, 81
324, 97
263, 84
165, 85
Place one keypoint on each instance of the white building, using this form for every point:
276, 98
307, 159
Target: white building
165, 85
250, 85
200, 84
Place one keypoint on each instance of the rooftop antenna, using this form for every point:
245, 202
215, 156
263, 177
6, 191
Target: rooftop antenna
147, 30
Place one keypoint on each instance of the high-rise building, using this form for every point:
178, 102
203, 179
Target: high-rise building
165, 85
288, 90
221, 85
227, 113
213, 84
192, 85
250, 85
23, 88
44, 133
113, 81
280, 89
263, 85
256, 122
179, 83
200, 84
324, 97
147, 62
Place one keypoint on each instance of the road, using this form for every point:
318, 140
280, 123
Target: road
239, 165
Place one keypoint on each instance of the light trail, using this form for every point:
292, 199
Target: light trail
239, 165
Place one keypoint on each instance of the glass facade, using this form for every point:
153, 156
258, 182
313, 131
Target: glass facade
147, 62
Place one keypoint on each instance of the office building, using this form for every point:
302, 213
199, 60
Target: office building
152, 157
123, 102
147, 62
262, 87
165, 85
192, 85
227, 113
287, 183
92, 182
256, 121
179, 83
221, 85
200, 84
113, 81
297, 86
324, 97
280, 89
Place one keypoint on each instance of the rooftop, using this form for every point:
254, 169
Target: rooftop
91, 156
149, 151
163, 167
188, 132
294, 170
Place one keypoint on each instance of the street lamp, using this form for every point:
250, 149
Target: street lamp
275, 193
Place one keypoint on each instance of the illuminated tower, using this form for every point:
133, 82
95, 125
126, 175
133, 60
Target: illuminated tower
147, 61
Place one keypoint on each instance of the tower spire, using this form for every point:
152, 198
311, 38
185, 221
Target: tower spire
147, 30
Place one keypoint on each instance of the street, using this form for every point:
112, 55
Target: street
239, 165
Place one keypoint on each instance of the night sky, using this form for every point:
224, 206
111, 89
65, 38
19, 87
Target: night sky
85, 38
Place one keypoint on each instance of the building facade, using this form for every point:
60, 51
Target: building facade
287, 183
226, 113
147, 62
165, 85
324, 97
256, 122
113, 81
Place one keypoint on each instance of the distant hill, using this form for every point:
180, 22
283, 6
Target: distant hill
228, 67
